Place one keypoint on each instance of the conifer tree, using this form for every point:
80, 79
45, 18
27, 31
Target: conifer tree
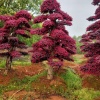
56, 44
91, 43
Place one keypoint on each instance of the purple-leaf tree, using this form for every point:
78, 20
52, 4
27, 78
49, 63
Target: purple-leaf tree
91, 43
13, 27
56, 44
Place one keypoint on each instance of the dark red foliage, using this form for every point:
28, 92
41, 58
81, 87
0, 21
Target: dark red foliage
96, 2
10, 24
55, 16
60, 52
39, 31
40, 18
23, 14
55, 63
91, 44
55, 44
39, 55
6, 17
97, 10
14, 26
48, 24
94, 26
22, 33
65, 23
4, 46
49, 6
65, 15
15, 54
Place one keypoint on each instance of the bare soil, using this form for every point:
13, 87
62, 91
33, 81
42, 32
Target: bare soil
43, 84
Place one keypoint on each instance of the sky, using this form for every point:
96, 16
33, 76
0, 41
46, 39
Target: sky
79, 10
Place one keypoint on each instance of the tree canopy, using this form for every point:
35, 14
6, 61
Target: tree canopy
12, 6
91, 43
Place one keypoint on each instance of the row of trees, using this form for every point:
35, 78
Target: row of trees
55, 44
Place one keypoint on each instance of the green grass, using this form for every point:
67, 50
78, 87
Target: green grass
86, 94
15, 63
72, 80
2, 63
74, 90
22, 63
78, 59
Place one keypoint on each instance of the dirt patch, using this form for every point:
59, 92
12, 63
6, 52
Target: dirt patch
97, 99
49, 87
30, 70
92, 82
69, 64
43, 89
20, 72
5, 79
21, 95
55, 98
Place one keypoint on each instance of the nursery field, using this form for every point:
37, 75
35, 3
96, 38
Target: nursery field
39, 60
28, 81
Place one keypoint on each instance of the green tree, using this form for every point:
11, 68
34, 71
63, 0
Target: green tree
78, 44
12, 6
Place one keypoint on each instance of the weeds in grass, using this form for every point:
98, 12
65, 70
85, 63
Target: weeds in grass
72, 80
18, 84
15, 63
86, 94
74, 89
22, 63
2, 63
78, 59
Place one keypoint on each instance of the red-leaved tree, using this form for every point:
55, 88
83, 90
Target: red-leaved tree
91, 43
56, 44
13, 27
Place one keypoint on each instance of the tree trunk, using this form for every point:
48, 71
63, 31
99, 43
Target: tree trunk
8, 64
49, 71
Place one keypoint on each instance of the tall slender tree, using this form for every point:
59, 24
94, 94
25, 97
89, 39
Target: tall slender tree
13, 27
56, 44
91, 43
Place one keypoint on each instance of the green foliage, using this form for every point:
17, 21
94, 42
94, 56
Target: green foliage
78, 44
2, 63
72, 80
30, 41
22, 63
86, 94
11, 6
74, 89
